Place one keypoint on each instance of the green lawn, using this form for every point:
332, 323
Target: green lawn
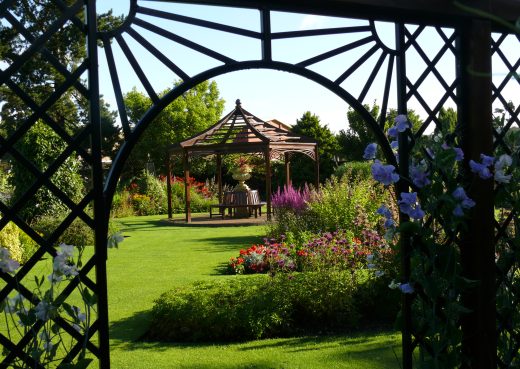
156, 256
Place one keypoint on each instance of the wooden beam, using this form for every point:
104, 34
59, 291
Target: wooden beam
219, 178
267, 157
477, 246
287, 169
187, 194
169, 185
439, 11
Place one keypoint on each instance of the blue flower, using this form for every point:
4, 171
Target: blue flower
408, 205
458, 212
384, 211
394, 144
480, 169
459, 154
487, 160
460, 195
419, 176
370, 151
406, 288
384, 173
401, 123
392, 132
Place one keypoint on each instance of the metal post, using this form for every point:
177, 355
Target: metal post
169, 185
187, 194
405, 242
477, 247
100, 213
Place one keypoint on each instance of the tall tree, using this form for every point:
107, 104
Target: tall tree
39, 77
302, 169
192, 112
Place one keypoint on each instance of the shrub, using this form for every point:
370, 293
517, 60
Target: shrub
78, 233
243, 308
354, 169
122, 205
10, 239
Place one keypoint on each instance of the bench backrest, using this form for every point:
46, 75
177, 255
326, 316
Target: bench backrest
240, 198
228, 198
254, 199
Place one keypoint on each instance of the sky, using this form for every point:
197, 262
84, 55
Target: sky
274, 94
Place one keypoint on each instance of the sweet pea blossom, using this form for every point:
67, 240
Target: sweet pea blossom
394, 145
43, 310
408, 205
392, 132
114, 240
384, 211
459, 154
419, 176
480, 169
487, 160
460, 195
401, 123
7, 265
370, 151
406, 288
384, 173
503, 162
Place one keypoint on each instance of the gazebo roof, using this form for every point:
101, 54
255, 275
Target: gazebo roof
242, 132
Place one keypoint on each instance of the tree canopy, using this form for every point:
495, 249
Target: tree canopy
309, 125
192, 112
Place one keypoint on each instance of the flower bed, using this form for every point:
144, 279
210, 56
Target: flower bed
337, 249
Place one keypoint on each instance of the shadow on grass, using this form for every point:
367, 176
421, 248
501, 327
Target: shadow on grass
373, 349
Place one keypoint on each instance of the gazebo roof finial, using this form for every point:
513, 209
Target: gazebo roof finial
238, 102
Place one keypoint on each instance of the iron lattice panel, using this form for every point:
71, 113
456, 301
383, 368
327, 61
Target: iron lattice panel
506, 124
39, 108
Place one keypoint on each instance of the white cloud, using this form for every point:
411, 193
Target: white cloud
312, 21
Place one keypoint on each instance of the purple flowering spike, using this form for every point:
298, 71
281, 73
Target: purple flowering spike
384, 173
370, 151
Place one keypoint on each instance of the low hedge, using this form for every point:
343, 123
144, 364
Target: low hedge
260, 306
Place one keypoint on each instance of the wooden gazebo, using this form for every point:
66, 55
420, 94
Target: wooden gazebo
242, 132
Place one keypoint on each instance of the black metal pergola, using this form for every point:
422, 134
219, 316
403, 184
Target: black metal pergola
472, 33
239, 131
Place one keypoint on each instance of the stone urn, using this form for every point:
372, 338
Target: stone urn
241, 175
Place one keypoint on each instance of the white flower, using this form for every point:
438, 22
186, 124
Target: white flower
67, 251
394, 285
43, 310
7, 265
503, 161
77, 328
501, 177
114, 240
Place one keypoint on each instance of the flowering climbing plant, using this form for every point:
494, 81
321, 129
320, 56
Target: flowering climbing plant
434, 212
52, 326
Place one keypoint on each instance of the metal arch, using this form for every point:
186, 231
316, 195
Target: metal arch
152, 113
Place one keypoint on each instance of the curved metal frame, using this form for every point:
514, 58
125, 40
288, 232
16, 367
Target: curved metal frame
464, 90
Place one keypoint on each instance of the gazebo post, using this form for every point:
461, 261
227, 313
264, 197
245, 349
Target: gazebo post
268, 181
287, 169
316, 167
187, 195
219, 177
169, 185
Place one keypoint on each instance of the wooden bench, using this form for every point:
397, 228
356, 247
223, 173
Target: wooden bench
227, 202
233, 201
